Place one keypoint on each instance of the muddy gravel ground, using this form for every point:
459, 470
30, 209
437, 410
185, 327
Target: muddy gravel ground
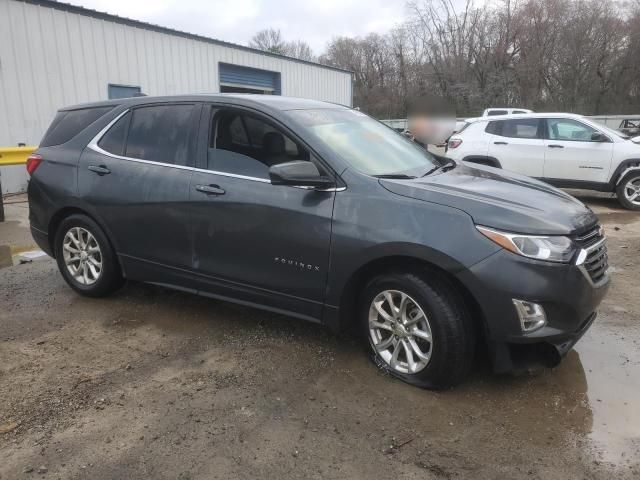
151, 383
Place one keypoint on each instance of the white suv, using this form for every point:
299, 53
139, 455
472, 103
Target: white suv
565, 150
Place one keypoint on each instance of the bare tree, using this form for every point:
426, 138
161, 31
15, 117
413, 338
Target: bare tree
572, 55
270, 40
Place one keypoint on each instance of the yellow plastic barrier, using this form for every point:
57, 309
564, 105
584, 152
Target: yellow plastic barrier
15, 155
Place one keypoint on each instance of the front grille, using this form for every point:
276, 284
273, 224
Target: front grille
596, 262
593, 260
590, 237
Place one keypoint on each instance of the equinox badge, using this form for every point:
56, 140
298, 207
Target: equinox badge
294, 263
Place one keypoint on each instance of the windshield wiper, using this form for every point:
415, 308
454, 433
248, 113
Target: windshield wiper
396, 175
450, 164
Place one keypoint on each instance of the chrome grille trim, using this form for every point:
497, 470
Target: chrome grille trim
594, 234
593, 263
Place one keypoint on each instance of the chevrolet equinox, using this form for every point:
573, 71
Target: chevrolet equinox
320, 212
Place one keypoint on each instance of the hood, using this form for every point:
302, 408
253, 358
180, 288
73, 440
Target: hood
636, 139
499, 199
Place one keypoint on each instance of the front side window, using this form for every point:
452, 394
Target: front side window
364, 143
570, 130
517, 128
246, 145
160, 133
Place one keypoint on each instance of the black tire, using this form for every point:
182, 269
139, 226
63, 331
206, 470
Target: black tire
453, 333
110, 277
624, 201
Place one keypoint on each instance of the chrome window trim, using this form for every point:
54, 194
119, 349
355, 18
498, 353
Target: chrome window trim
93, 145
582, 256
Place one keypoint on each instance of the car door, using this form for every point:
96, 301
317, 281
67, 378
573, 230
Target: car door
571, 154
518, 145
135, 177
254, 241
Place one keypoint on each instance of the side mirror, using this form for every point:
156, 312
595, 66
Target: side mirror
598, 137
299, 174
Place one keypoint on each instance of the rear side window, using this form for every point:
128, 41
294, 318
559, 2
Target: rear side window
69, 123
160, 133
113, 141
493, 113
517, 128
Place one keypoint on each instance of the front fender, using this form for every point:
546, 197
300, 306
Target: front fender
370, 227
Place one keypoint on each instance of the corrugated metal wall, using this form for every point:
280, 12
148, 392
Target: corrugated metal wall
51, 58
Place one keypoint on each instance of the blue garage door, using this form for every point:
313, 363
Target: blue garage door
235, 78
123, 91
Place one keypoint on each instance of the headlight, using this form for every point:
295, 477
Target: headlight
548, 247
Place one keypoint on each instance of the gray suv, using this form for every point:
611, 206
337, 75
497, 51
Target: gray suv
320, 212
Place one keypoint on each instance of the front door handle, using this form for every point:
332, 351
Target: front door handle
500, 143
210, 189
99, 169
555, 146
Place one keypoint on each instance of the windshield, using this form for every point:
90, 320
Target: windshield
366, 144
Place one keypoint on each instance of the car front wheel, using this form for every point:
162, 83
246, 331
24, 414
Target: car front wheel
628, 191
417, 329
85, 257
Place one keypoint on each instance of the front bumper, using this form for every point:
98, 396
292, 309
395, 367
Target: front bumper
569, 298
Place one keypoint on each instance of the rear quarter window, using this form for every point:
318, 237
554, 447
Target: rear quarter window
462, 128
67, 124
492, 128
113, 141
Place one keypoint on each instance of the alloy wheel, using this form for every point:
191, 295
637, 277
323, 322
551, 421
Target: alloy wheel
632, 190
399, 332
82, 256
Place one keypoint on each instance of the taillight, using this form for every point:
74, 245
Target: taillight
455, 143
33, 162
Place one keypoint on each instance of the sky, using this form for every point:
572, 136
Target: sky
315, 22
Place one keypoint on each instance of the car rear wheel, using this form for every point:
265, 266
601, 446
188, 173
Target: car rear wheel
417, 329
628, 191
85, 257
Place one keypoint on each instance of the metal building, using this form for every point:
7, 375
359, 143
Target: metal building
54, 54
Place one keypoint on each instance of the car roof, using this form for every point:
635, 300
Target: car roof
525, 115
506, 108
275, 102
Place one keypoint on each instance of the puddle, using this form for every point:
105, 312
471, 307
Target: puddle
14, 255
6, 259
613, 390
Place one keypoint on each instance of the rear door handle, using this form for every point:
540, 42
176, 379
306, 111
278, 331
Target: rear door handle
210, 189
99, 169
500, 143
555, 146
